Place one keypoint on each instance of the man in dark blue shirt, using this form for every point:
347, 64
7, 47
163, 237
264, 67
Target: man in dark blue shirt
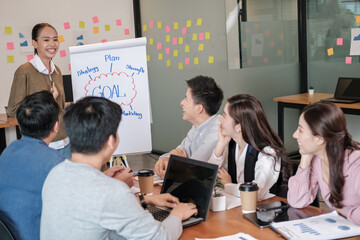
25, 164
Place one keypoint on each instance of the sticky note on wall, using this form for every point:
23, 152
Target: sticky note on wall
81, 24
211, 59
330, 51
8, 30
348, 60
10, 45
10, 59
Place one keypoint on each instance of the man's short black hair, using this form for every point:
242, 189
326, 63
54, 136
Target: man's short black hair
37, 114
205, 91
89, 123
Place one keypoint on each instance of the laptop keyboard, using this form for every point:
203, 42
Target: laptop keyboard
158, 214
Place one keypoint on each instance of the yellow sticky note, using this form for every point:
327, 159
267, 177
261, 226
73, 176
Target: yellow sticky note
257, 26
207, 35
194, 37
81, 24
181, 66
176, 52
151, 41
211, 59
10, 59
187, 48
159, 24
330, 51
199, 22
281, 36
357, 19
96, 29
188, 23
244, 45
176, 25
167, 38
201, 47
160, 56
148, 57
279, 52
144, 27
196, 60
181, 40
61, 38
168, 63
107, 27
8, 30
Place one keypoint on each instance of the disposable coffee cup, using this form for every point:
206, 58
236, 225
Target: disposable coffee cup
248, 194
146, 180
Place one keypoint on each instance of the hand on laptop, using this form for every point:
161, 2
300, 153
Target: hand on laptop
184, 210
161, 166
162, 200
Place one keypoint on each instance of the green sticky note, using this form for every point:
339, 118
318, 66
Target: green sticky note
8, 30
10, 59
81, 24
107, 27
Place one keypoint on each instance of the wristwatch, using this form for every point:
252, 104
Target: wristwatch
142, 200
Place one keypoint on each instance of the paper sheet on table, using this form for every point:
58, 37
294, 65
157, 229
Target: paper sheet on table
231, 200
241, 236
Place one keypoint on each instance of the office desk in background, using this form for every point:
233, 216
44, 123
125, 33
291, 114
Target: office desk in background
299, 101
6, 122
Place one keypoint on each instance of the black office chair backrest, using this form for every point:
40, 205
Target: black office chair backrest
4, 232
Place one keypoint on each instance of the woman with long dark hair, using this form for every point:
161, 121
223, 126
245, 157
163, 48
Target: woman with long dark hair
248, 149
330, 160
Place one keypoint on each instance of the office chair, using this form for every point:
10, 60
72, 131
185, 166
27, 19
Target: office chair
5, 233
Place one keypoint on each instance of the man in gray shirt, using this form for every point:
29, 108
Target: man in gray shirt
81, 202
201, 103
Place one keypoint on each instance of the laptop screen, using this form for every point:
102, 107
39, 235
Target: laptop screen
348, 88
190, 181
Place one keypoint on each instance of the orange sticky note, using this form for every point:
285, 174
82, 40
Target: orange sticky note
181, 66
257, 26
96, 29
176, 52
8, 30
81, 24
201, 47
61, 38
10, 59
168, 63
330, 51
357, 19
211, 59
187, 48
196, 60
107, 27
279, 52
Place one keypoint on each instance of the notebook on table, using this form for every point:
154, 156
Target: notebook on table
191, 181
347, 91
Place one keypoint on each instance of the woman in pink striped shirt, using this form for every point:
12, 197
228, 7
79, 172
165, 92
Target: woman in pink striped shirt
330, 160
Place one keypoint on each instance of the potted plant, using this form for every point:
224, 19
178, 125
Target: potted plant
218, 200
311, 90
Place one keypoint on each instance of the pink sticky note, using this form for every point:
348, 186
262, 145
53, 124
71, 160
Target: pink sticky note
187, 61
29, 57
118, 22
10, 45
247, 30
267, 33
250, 62
184, 30
159, 45
95, 19
62, 53
348, 60
201, 36
174, 41
167, 29
69, 67
266, 60
67, 25
167, 50
104, 40
151, 24
272, 44
339, 41
127, 31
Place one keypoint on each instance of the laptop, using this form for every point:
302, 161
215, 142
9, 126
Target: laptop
347, 91
190, 181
